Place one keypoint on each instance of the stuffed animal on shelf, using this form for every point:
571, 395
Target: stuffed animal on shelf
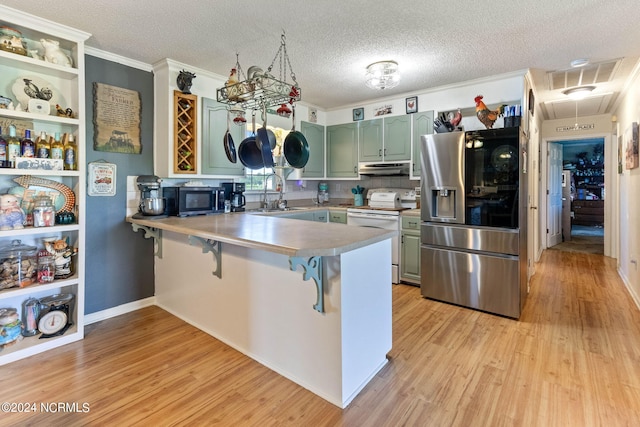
11, 215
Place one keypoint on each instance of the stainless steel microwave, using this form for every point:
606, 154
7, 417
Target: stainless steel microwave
186, 201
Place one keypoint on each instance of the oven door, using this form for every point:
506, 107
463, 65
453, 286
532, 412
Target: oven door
383, 221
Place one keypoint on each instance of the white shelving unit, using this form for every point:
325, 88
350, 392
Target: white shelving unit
68, 84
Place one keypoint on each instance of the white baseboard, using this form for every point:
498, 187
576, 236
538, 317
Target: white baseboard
117, 311
627, 284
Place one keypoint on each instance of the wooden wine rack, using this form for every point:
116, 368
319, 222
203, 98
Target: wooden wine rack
185, 127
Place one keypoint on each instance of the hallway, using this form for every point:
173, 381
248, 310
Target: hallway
584, 239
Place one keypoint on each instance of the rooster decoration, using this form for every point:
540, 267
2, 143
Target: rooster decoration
486, 116
35, 92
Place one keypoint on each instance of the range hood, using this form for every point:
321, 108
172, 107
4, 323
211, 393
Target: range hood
383, 169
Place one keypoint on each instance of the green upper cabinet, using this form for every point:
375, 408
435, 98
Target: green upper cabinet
214, 126
422, 125
342, 151
385, 139
397, 138
370, 140
314, 134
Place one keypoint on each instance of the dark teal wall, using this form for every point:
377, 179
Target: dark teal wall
119, 262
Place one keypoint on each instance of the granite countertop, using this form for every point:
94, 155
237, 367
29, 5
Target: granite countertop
280, 235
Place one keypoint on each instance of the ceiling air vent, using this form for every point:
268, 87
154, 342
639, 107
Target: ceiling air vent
588, 75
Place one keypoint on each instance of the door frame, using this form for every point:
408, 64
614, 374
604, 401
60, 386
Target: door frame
611, 203
548, 194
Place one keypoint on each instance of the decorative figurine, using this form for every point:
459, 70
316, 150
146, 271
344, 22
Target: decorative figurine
11, 40
5, 102
61, 252
10, 327
486, 116
35, 92
64, 112
53, 53
11, 215
184, 81
233, 77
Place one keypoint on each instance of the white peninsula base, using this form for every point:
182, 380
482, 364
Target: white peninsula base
265, 310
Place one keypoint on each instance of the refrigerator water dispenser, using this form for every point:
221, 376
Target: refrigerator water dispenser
443, 201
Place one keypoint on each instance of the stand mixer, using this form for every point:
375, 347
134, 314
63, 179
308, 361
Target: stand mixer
151, 202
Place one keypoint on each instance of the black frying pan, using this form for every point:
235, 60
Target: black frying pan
295, 146
229, 146
249, 153
264, 139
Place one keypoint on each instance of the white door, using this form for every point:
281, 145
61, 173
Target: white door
554, 194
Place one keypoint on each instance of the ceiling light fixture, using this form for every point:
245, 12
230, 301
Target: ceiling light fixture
577, 63
579, 92
382, 75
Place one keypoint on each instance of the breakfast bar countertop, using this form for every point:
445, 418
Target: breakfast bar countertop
285, 236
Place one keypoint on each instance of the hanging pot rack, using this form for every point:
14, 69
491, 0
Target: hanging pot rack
262, 89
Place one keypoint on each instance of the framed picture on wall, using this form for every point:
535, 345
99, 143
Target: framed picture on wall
631, 137
412, 104
358, 114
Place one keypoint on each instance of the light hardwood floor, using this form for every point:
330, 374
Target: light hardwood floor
572, 360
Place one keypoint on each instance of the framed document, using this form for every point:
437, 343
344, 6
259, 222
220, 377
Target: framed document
102, 179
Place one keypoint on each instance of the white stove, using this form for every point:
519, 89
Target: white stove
383, 211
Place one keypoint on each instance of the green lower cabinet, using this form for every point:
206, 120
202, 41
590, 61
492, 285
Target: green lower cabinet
305, 216
214, 126
340, 217
410, 250
321, 216
422, 125
318, 216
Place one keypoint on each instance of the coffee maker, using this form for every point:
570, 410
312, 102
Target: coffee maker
152, 204
234, 192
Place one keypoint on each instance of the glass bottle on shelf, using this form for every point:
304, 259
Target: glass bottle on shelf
46, 267
13, 146
43, 146
70, 154
43, 212
27, 146
57, 148
30, 314
3, 150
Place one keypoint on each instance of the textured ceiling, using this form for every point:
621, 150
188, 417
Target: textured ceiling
330, 42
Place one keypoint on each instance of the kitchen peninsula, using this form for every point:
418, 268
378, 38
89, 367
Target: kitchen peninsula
311, 301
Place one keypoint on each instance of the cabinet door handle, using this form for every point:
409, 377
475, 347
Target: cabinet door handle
379, 152
355, 169
385, 151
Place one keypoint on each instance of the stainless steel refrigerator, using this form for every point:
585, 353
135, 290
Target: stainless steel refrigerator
474, 219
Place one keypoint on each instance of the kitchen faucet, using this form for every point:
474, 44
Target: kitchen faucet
265, 202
